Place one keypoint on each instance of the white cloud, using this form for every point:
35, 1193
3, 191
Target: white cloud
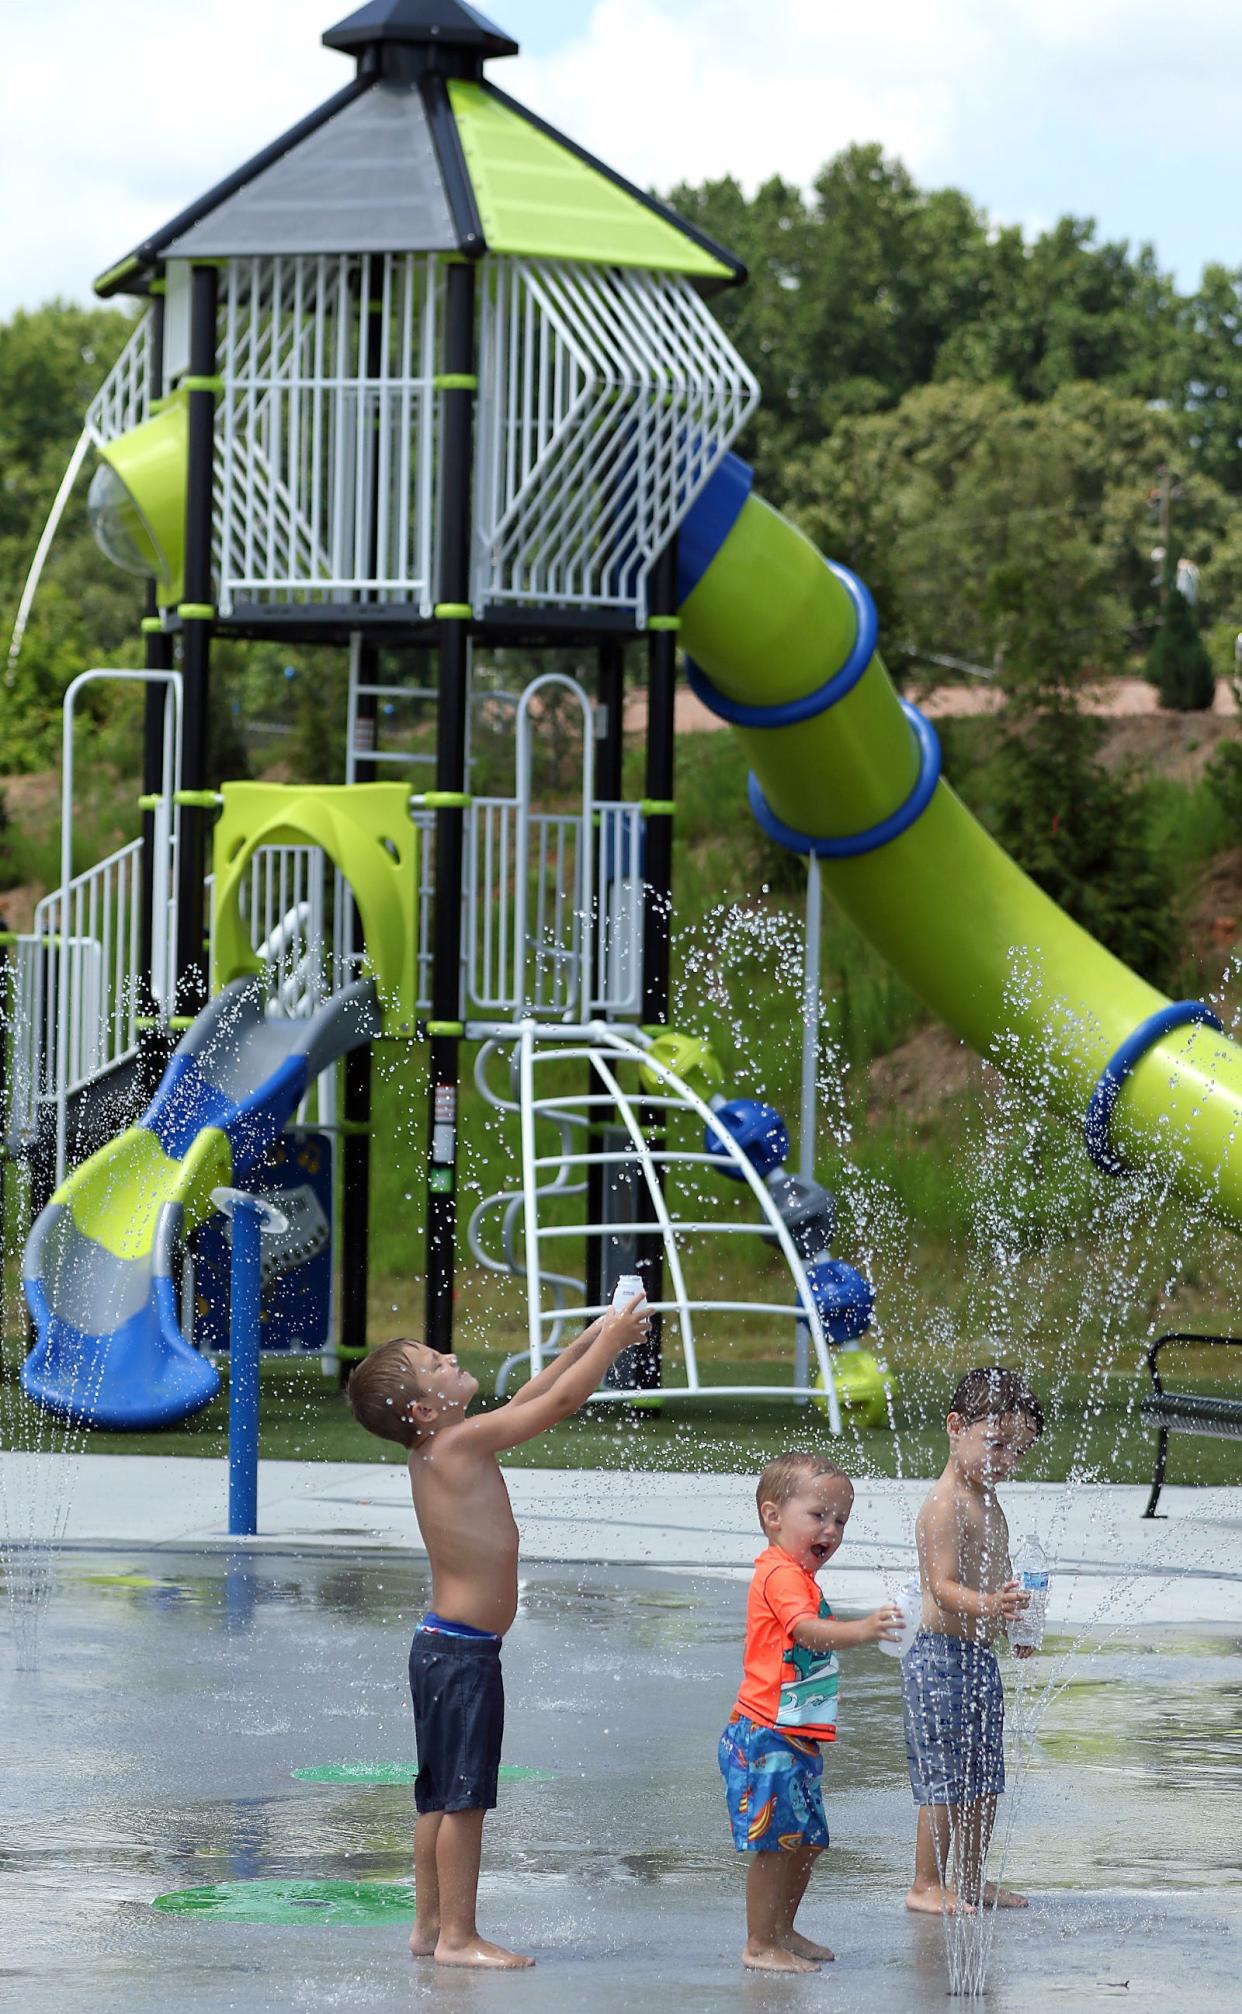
686, 88
114, 116
722, 87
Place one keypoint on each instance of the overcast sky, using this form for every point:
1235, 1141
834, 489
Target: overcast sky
115, 113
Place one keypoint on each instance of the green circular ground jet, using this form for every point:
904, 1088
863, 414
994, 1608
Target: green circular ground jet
342, 1904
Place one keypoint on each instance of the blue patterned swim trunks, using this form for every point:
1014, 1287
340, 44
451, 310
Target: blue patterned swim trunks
954, 1712
772, 1788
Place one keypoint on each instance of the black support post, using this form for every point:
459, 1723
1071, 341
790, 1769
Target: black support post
610, 693
153, 1042
197, 614
658, 871
444, 1027
356, 1147
657, 898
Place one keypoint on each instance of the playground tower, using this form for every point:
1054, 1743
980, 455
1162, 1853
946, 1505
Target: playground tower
423, 375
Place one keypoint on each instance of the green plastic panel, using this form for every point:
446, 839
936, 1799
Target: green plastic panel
367, 831
146, 509
986, 949
116, 1197
344, 1904
537, 198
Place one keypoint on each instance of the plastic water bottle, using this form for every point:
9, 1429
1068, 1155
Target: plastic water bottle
1030, 1568
909, 1599
623, 1293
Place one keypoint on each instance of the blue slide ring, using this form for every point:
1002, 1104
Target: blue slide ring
852, 844
1179, 1014
790, 711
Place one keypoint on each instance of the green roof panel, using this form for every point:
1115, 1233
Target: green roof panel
538, 197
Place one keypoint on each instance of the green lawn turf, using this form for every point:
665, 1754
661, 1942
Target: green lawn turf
1093, 1432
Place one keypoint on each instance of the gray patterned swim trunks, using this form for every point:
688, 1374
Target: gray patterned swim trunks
955, 1720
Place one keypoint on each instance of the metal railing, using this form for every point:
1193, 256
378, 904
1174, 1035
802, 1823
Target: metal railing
531, 1217
326, 434
552, 924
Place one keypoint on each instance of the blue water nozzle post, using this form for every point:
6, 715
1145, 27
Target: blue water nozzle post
251, 1218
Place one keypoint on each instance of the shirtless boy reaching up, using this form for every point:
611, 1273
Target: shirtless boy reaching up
951, 1689
407, 1392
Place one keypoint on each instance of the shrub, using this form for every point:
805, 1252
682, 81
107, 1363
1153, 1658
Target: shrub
1178, 663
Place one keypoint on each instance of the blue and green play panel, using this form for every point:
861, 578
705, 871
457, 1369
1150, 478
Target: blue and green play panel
402, 1772
339, 1903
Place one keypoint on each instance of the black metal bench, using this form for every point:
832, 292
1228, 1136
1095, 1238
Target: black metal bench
1186, 1412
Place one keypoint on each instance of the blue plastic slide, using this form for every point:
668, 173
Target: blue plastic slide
100, 1269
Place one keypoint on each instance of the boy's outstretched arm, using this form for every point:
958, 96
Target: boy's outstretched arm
883, 1625
509, 1425
560, 1363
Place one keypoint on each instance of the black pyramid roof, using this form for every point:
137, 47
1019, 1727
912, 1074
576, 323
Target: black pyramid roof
447, 24
381, 166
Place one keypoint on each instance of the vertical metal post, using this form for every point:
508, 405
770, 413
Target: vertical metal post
244, 1292
812, 924
153, 1046
158, 657
356, 1150
610, 693
357, 1067
658, 870
657, 897
812, 927
197, 614
453, 611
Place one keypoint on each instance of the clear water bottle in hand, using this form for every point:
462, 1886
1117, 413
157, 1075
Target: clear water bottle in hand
623, 1293
909, 1599
1030, 1569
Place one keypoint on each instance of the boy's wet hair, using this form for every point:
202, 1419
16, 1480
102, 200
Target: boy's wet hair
784, 1476
992, 1390
381, 1390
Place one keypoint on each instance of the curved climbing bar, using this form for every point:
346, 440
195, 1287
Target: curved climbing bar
770, 625
1098, 1123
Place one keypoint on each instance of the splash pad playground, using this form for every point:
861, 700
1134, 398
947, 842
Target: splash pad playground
426, 381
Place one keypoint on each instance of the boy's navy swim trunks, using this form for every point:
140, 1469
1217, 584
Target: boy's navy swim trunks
459, 1715
955, 1720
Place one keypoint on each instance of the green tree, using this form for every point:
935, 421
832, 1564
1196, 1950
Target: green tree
1078, 828
52, 362
958, 480
1178, 663
1212, 374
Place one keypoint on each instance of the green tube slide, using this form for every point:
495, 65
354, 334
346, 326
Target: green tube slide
769, 624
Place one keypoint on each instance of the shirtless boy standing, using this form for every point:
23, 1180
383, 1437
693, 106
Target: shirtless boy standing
951, 1690
407, 1392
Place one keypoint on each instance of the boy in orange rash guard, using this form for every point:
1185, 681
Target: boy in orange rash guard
771, 1754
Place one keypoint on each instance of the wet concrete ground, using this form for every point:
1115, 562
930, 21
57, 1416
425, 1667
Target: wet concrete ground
176, 1692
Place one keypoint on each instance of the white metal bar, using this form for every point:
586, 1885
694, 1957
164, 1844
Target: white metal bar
530, 1201
68, 888
656, 1195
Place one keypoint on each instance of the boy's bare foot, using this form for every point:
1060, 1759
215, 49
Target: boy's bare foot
805, 1947
775, 1958
423, 1941
1003, 1898
937, 1902
478, 1952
